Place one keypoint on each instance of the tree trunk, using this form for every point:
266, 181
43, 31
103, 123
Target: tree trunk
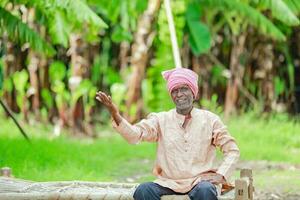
77, 67
236, 72
139, 56
34, 81
265, 72
295, 53
123, 55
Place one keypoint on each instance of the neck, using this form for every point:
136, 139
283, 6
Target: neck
184, 111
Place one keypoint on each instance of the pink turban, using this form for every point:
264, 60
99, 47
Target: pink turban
181, 76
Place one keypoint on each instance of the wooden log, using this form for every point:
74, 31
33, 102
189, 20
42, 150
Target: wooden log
17, 189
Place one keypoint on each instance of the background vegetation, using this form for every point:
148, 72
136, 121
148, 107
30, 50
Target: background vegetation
55, 55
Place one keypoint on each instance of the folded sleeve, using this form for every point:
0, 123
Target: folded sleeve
228, 146
145, 130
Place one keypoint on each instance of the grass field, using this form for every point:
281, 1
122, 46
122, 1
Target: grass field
110, 158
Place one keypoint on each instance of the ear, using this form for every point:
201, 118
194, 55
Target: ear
197, 97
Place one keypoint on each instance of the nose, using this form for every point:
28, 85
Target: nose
179, 93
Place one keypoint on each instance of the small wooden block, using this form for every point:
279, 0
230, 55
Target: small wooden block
248, 173
5, 171
241, 190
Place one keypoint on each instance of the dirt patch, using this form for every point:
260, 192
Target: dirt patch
263, 195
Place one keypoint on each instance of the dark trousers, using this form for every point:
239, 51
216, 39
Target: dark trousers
152, 191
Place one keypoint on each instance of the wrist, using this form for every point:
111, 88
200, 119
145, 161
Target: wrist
114, 112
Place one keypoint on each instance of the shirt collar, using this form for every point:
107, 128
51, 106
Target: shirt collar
181, 117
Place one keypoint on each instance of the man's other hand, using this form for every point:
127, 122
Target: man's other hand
214, 178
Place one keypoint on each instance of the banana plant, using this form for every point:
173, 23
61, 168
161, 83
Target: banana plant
57, 74
163, 58
59, 17
20, 81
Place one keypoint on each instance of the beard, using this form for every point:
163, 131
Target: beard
183, 104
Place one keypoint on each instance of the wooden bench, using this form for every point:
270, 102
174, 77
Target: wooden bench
18, 189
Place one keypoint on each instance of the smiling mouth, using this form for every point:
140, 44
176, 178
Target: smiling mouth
181, 100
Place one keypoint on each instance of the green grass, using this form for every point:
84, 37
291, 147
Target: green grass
275, 138
107, 158
110, 158
67, 159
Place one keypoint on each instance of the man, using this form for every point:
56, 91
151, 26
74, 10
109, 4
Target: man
186, 138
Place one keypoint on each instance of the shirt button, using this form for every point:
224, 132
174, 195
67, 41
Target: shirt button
185, 141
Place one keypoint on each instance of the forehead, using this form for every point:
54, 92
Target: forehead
181, 86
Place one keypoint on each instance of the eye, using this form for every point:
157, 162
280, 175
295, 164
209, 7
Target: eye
184, 89
175, 91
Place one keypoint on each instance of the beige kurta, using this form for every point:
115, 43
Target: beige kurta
183, 154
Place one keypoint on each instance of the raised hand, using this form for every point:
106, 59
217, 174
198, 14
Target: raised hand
107, 102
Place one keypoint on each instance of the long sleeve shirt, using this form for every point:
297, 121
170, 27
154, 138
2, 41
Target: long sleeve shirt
184, 153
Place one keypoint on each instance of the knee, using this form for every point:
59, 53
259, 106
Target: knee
142, 190
205, 186
204, 189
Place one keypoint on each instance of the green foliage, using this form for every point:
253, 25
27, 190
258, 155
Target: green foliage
21, 33
102, 69
1, 74
279, 86
61, 18
81, 90
233, 8
279, 10
199, 39
20, 80
8, 84
118, 92
155, 94
211, 104
59, 28
163, 59
122, 16
87, 91
294, 5
101, 63
120, 34
47, 98
217, 77
89, 102
57, 73
290, 68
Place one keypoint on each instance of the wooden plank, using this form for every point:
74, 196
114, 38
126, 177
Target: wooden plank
17, 189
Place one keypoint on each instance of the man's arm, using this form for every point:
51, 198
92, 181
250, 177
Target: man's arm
146, 130
228, 146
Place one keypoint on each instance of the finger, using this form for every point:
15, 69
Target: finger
99, 99
98, 93
104, 97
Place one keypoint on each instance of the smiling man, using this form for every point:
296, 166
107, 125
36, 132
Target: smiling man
186, 139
